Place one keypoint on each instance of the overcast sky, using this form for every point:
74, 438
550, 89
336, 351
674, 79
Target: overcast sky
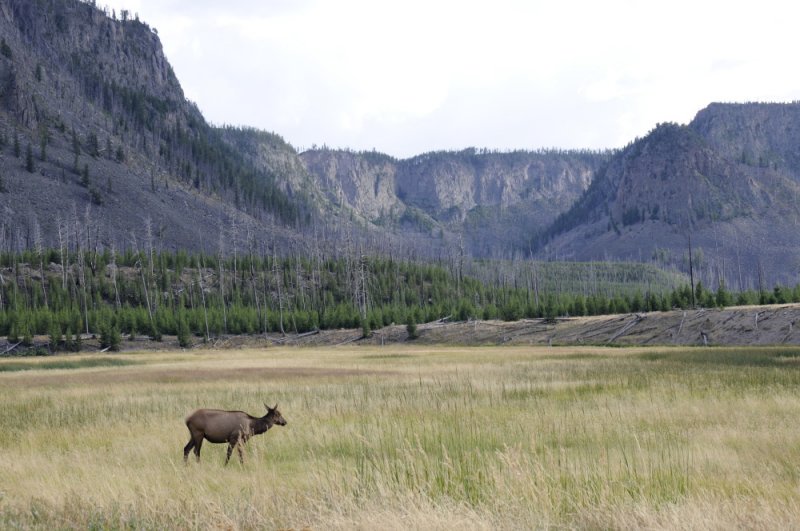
410, 76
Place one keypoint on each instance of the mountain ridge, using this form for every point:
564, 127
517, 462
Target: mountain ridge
97, 137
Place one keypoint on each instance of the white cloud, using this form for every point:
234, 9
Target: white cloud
406, 77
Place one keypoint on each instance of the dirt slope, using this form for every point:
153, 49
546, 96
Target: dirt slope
744, 325
737, 326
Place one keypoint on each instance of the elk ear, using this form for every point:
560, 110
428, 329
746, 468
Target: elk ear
266, 406
276, 406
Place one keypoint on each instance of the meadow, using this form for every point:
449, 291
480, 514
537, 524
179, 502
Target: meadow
405, 437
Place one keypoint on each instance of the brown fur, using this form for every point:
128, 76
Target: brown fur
232, 427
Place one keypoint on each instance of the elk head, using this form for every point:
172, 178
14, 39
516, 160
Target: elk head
274, 415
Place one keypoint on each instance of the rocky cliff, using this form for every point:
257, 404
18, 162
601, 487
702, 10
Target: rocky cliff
494, 200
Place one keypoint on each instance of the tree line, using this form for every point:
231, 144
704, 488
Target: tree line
69, 295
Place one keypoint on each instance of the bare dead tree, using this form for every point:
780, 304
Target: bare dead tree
112, 267
691, 268
361, 292
63, 251
251, 260
79, 227
235, 241
203, 295
221, 269
278, 274
145, 287
148, 234
39, 250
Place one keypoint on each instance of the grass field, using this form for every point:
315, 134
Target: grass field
408, 437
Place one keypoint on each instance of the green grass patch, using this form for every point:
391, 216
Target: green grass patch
85, 363
749, 357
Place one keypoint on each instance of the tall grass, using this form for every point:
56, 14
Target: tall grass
443, 438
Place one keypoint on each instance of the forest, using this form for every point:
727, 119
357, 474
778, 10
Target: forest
67, 296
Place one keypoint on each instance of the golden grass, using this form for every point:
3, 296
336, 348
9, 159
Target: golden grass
410, 437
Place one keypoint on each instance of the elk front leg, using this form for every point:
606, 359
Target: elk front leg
241, 452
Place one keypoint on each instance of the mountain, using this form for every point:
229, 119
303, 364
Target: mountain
729, 180
99, 145
493, 201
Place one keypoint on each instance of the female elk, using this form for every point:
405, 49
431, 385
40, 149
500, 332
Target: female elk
232, 427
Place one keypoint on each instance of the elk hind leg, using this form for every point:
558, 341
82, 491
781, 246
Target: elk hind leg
198, 443
187, 449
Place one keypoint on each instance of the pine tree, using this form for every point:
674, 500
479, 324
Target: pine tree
411, 327
110, 337
76, 149
43, 140
69, 345
13, 333
5, 49
92, 145
27, 339
184, 339
55, 336
29, 159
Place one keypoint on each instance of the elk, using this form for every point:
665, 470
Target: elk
232, 427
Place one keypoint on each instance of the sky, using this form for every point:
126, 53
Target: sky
411, 76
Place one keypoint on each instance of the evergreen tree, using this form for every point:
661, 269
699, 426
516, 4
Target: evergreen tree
411, 326
44, 138
68, 342
13, 332
27, 338
92, 145
184, 339
55, 336
5, 49
29, 159
110, 337
76, 150
723, 298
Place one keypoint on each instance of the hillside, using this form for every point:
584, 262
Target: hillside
95, 128
736, 326
729, 179
96, 136
99, 147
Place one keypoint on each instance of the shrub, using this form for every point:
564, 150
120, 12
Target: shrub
184, 339
110, 337
411, 327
